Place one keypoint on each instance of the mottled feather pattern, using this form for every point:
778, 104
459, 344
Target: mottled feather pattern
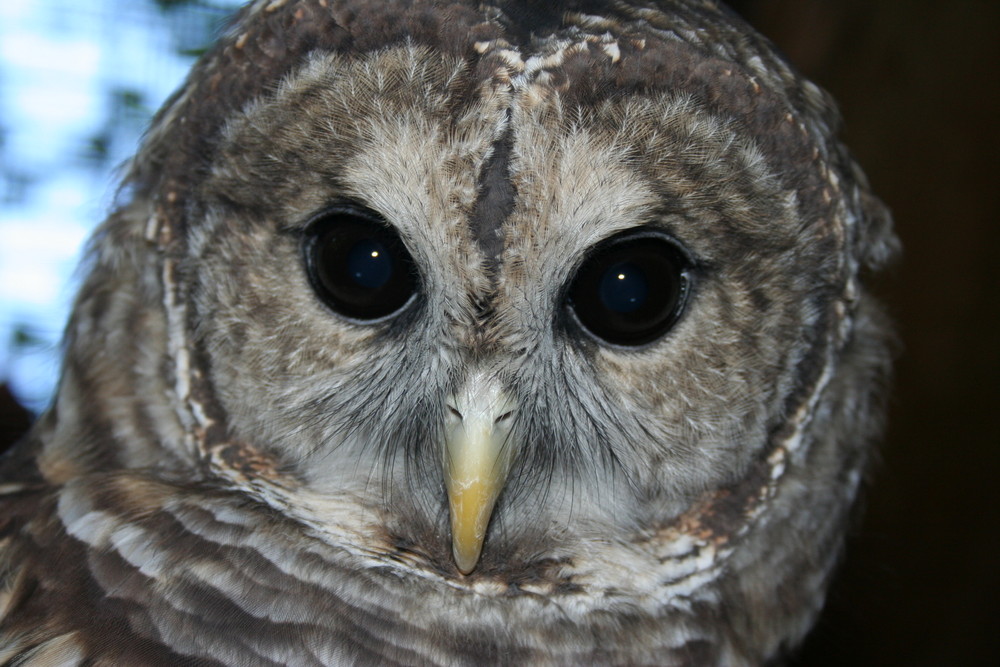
234, 474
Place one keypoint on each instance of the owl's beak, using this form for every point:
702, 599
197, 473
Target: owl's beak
477, 458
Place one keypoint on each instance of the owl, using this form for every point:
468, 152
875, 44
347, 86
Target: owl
448, 332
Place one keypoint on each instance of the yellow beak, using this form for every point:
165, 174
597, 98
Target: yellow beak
477, 456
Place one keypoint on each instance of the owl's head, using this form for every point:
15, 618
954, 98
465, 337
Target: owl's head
560, 294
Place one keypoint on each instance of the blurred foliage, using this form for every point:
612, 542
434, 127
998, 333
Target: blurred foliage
128, 99
168, 5
23, 336
196, 24
16, 185
128, 114
160, 39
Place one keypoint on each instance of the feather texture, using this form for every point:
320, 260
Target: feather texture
233, 473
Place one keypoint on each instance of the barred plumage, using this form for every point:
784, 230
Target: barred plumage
257, 458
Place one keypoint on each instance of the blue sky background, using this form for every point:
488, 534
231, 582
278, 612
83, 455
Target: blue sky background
79, 80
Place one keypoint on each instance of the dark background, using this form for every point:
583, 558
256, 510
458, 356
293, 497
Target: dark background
917, 81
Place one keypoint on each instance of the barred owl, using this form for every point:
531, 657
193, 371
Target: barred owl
456, 332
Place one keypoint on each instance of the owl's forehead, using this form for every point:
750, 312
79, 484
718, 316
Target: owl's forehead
555, 147
572, 90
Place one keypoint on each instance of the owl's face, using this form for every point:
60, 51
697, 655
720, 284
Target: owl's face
547, 318
581, 315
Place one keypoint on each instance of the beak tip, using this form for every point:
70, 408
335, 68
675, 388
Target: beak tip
466, 563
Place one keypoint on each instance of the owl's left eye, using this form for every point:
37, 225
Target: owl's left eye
632, 288
358, 265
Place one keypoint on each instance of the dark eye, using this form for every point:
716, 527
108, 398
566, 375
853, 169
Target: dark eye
631, 289
358, 265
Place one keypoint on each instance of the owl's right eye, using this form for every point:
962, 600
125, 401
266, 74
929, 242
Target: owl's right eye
358, 265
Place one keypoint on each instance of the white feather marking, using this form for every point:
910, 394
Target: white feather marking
612, 51
62, 651
93, 528
136, 546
